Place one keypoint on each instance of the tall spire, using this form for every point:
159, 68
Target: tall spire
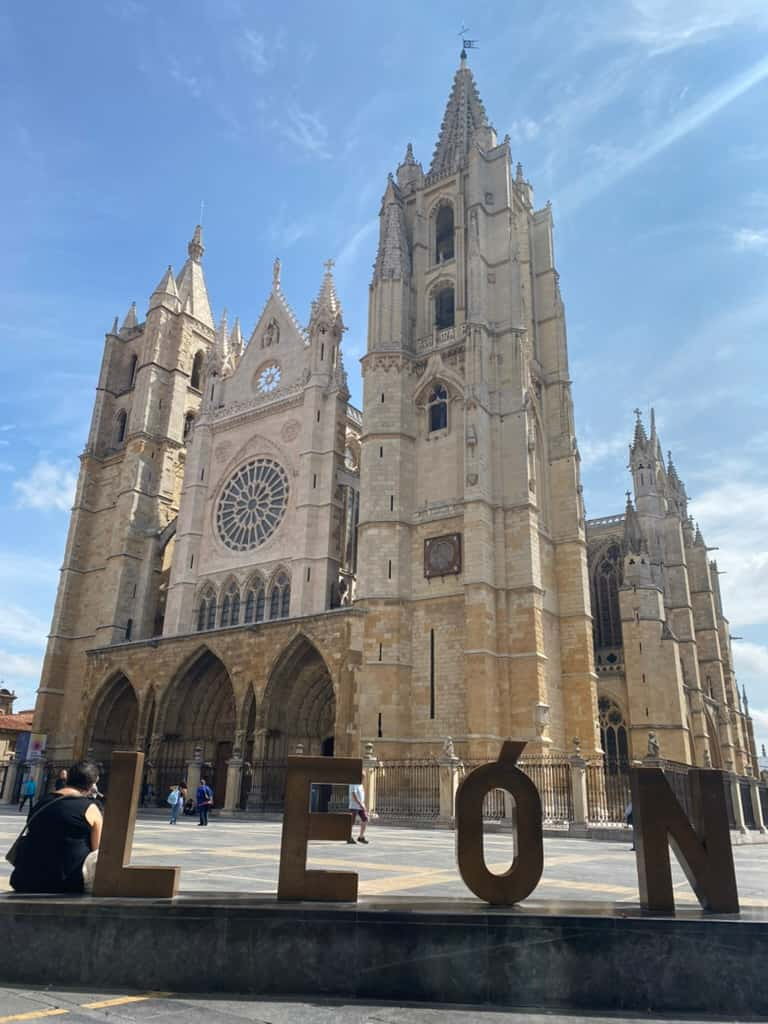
464, 121
131, 320
641, 438
193, 295
392, 259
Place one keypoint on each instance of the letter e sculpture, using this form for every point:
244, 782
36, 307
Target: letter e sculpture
300, 825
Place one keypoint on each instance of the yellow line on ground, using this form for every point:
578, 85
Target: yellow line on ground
381, 886
123, 1000
33, 1015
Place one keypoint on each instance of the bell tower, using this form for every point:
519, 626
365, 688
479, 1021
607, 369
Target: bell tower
472, 547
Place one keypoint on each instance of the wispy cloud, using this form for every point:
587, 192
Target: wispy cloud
20, 627
253, 49
349, 249
47, 486
596, 449
285, 231
306, 131
20, 666
749, 239
524, 130
618, 162
184, 77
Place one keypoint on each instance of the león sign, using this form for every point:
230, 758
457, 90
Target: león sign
703, 847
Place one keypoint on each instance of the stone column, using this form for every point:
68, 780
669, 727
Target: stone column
757, 810
234, 781
369, 778
449, 772
578, 772
738, 809
10, 781
194, 770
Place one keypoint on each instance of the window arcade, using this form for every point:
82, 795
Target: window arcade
255, 600
445, 313
437, 408
613, 735
280, 597
444, 234
206, 612
197, 371
606, 579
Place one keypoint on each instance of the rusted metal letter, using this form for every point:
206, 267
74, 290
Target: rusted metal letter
113, 876
702, 847
300, 825
523, 876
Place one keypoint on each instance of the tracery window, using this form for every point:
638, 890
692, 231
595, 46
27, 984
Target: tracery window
444, 234
438, 408
255, 600
605, 598
206, 611
230, 606
613, 734
280, 597
189, 420
197, 371
252, 504
445, 314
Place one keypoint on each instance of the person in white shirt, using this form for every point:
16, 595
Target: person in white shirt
357, 807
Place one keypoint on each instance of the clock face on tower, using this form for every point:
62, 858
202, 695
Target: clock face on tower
252, 504
442, 555
268, 378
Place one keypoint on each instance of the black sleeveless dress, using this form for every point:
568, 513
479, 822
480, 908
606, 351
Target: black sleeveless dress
50, 858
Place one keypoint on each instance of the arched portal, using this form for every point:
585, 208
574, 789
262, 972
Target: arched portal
198, 722
298, 712
115, 722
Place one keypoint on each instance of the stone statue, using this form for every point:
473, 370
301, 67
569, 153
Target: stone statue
448, 751
653, 745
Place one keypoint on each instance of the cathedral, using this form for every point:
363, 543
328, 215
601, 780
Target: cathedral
255, 567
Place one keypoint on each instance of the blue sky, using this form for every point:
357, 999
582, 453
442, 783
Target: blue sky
643, 121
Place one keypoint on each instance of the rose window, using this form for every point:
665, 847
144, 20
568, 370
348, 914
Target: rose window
268, 378
252, 504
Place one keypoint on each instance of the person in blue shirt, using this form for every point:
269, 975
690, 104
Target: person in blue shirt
28, 790
204, 801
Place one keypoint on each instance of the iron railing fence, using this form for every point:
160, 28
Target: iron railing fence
763, 790
552, 778
408, 789
608, 792
267, 786
745, 791
168, 774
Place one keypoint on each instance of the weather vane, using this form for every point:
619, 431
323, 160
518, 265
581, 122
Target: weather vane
467, 44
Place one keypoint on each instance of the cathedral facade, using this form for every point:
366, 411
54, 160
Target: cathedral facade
254, 566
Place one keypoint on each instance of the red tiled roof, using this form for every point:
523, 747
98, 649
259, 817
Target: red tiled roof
17, 723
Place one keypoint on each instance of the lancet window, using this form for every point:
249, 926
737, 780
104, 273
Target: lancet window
230, 606
613, 734
605, 598
254, 602
437, 408
445, 314
197, 371
444, 234
280, 597
120, 426
206, 611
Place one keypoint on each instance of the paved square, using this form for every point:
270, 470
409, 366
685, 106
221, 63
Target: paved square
242, 855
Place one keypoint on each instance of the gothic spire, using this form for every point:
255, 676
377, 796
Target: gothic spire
193, 295
464, 118
166, 293
392, 259
641, 438
236, 339
327, 301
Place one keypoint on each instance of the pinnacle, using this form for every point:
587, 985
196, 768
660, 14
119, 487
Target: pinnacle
641, 438
131, 320
464, 114
236, 337
196, 247
327, 298
165, 288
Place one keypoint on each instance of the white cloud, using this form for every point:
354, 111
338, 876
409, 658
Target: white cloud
47, 486
619, 162
253, 48
732, 518
16, 567
664, 25
349, 249
594, 450
751, 659
185, 78
306, 131
20, 666
524, 130
20, 627
286, 232
750, 239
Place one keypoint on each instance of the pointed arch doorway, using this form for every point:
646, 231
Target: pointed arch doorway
198, 721
298, 712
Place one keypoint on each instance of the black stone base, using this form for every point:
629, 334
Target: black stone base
566, 956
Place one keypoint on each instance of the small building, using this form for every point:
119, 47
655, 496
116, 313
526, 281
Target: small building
11, 725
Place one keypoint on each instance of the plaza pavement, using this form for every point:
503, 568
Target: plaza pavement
242, 856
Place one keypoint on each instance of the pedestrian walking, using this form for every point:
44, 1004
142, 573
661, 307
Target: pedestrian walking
61, 780
357, 807
628, 820
28, 790
176, 801
204, 801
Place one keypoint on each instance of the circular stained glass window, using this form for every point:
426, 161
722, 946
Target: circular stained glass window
268, 378
252, 504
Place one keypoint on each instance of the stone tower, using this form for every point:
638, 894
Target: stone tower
472, 547
128, 489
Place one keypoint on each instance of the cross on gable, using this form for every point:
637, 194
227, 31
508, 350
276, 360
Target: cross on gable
329, 265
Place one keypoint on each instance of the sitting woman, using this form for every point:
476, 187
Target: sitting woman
58, 854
